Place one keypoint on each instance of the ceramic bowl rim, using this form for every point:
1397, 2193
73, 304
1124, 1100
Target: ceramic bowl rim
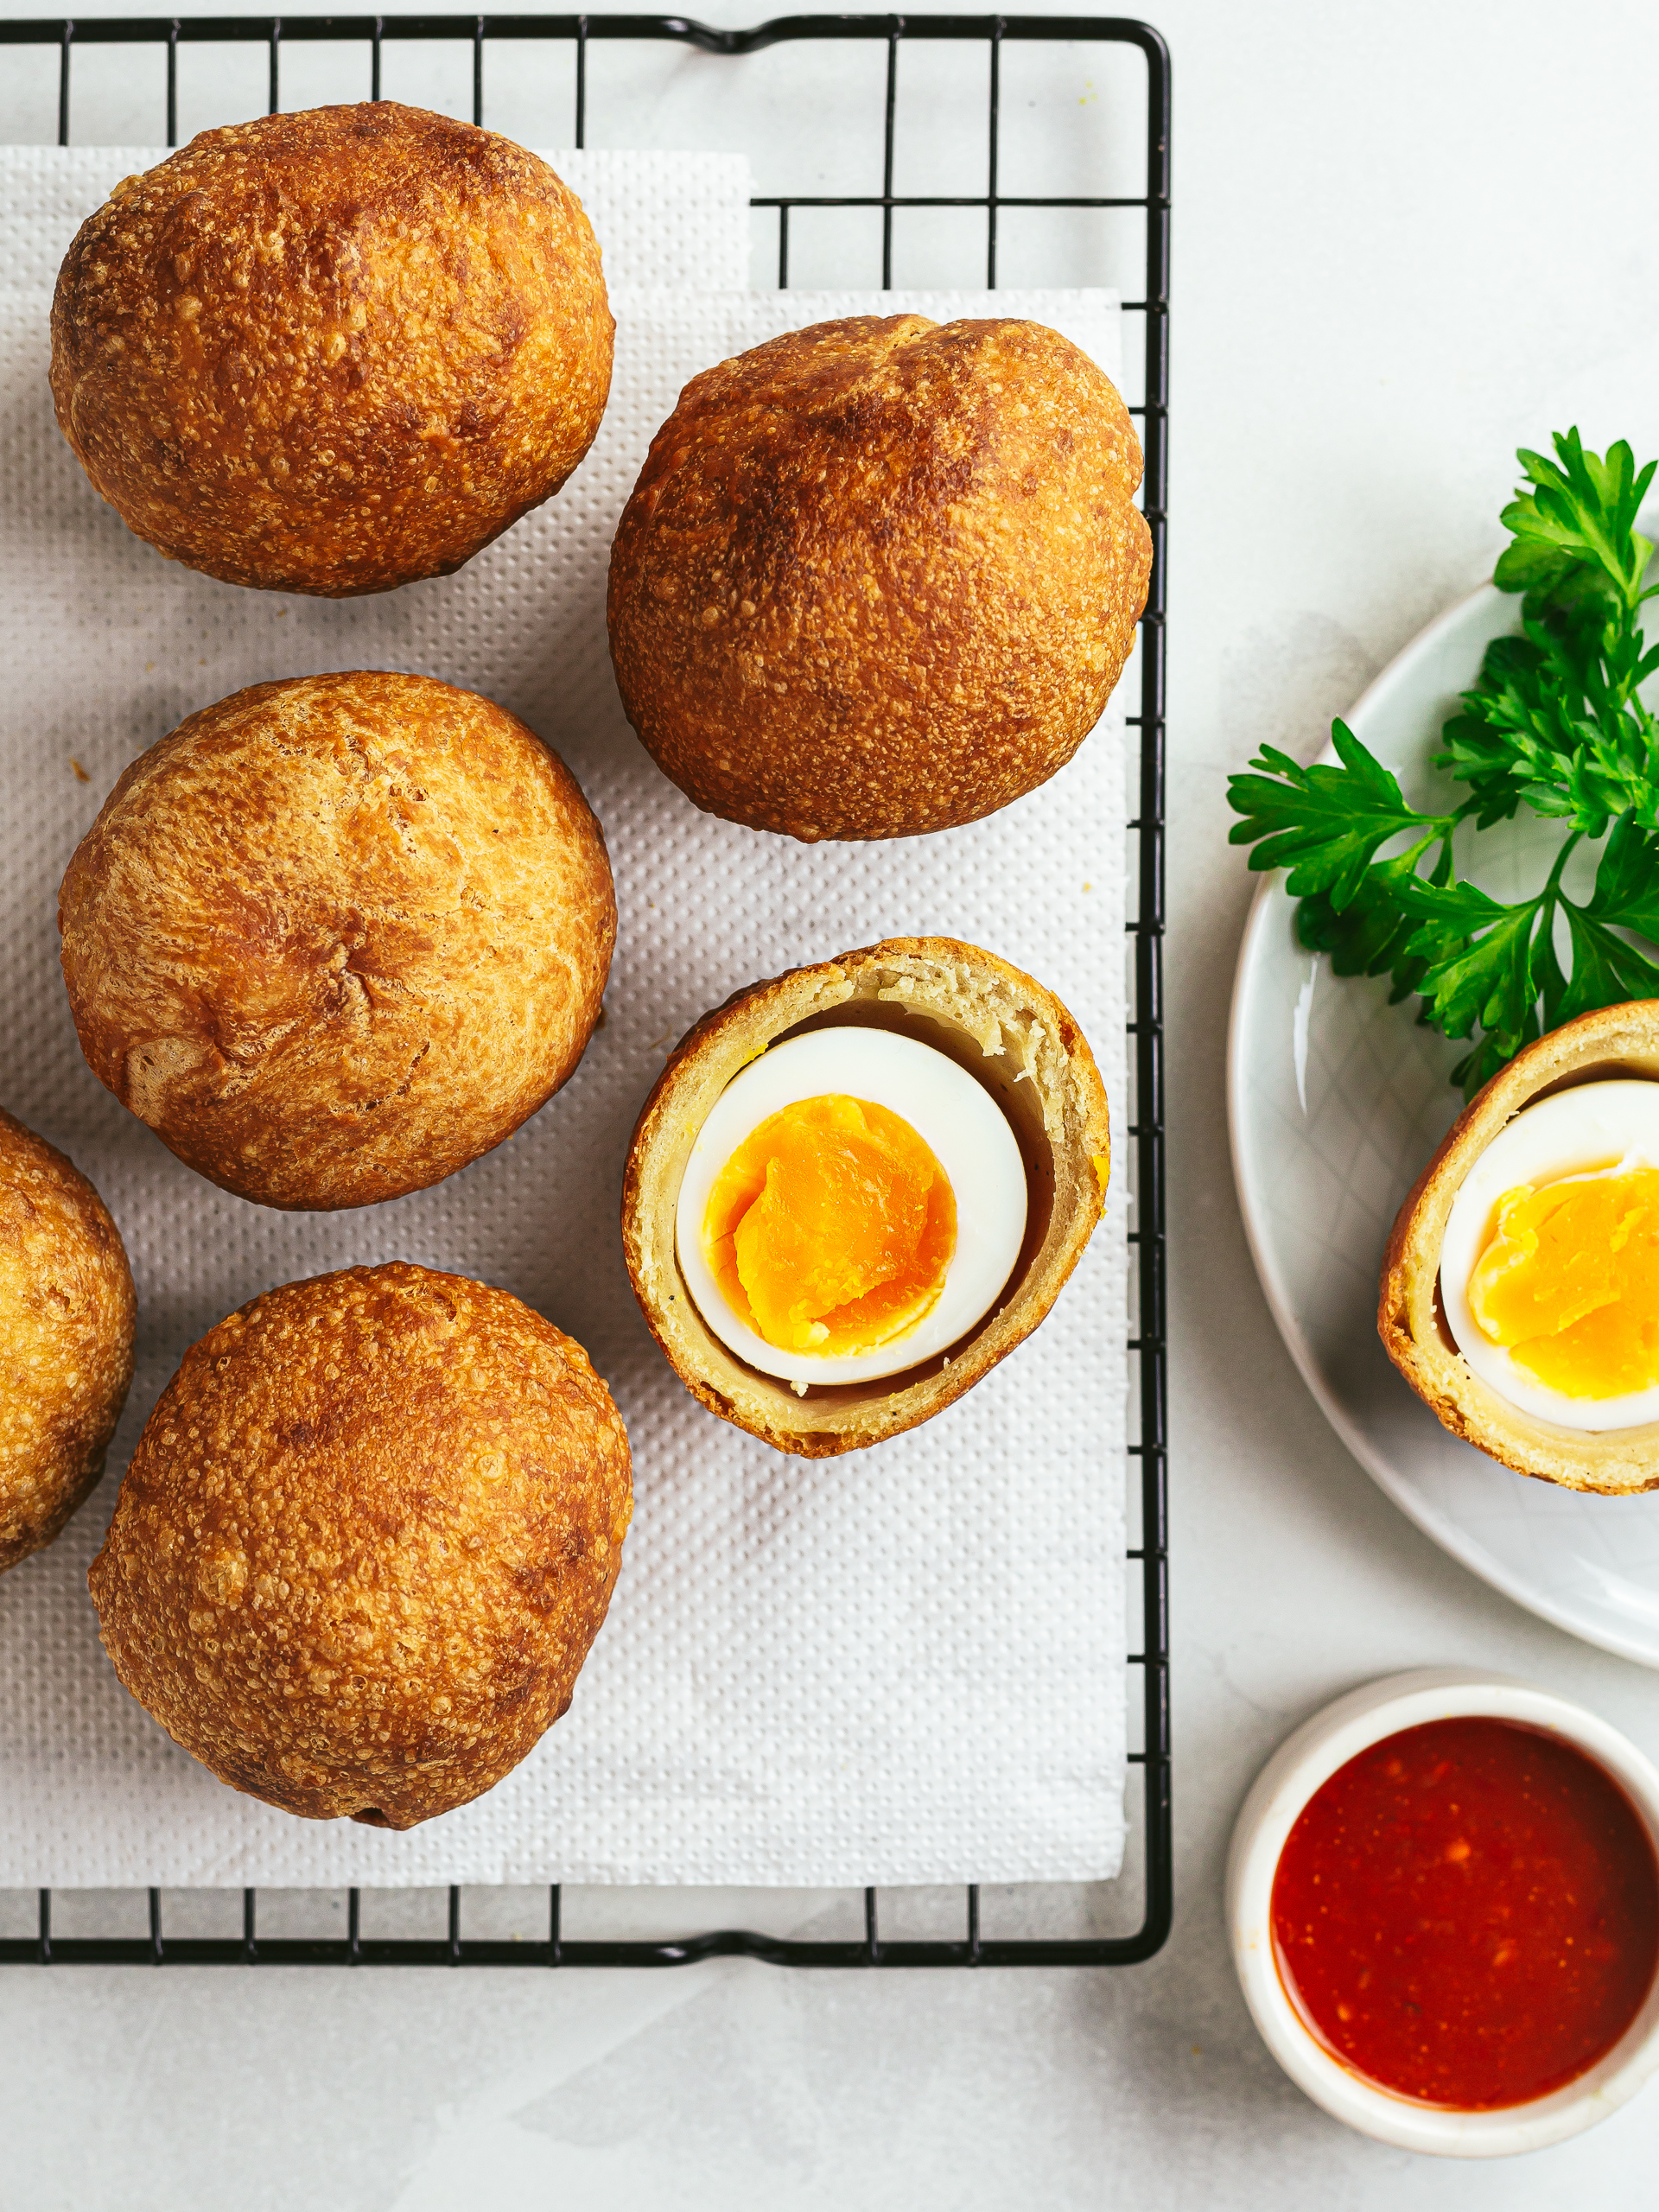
1306, 1760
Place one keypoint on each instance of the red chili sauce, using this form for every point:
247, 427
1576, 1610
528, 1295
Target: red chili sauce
1467, 1913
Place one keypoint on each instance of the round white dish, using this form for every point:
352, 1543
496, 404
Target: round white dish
1336, 1100
1296, 1770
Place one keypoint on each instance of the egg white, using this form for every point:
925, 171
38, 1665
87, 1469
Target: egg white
1597, 1125
958, 1120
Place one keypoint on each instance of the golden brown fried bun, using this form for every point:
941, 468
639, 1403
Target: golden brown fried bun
66, 1315
1614, 1041
336, 937
879, 576
1009, 1033
368, 1536
332, 352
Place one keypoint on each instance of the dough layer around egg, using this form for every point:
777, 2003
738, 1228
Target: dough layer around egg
338, 935
366, 1542
1007, 1030
879, 576
331, 351
68, 1313
1618, 1041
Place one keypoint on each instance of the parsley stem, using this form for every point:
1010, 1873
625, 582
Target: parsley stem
1552, 890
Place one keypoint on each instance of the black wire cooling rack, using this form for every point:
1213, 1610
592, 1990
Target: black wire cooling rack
1150, 205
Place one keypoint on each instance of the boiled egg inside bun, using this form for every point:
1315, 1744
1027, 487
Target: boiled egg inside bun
1549, 1271
1523, 1326
854, 1203
905, 1146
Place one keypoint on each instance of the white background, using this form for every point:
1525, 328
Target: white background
1406, 241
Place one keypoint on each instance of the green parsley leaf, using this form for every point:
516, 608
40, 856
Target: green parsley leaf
1606, 968
1325, 825
1369, 936
1480, 955
1554, 722
1578, 520
1626, 894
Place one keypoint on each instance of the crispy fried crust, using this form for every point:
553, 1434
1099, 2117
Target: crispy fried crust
335, 937
1615, 1041
368, 1536
1007, 1030
66, 1315
879, 576
332, 352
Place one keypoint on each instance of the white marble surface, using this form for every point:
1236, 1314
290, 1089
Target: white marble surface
1406, 241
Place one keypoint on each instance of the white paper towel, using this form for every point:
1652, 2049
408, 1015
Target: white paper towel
659, 217
903, 1666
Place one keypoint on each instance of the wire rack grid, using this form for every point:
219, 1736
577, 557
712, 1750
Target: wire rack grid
1147, 1562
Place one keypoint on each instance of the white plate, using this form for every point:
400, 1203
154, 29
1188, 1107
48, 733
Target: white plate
1336, 1100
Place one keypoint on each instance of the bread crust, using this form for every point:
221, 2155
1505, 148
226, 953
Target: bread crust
1009, 1031
366, 1540
67, 1318
336, 937
335, 350
1613, 1041
879, 576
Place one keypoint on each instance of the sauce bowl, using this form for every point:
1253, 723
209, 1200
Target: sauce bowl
1301, 1765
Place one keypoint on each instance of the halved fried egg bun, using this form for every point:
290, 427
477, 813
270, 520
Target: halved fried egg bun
1520, 1294
857, 1186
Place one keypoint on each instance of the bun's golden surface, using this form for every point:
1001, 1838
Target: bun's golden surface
368, 1536
335, 937
1615, 1041
66, 1315
1008, 1031
879, 576
332, 352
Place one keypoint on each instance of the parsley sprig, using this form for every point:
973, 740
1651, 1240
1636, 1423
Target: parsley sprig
1555, 723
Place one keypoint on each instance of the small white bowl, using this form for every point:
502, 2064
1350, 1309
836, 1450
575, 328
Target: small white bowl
1296, 1770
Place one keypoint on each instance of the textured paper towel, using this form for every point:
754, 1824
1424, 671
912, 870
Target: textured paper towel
901, 1666
659, 217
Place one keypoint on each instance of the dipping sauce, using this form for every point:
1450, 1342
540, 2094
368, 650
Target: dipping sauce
1467, 1913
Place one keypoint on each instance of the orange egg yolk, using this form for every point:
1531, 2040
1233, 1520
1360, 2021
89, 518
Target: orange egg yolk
1570, 1281
830, 1228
